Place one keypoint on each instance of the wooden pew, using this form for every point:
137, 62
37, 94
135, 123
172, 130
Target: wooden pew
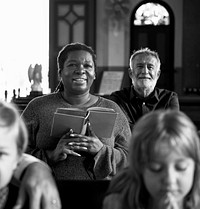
77, 194
191, 106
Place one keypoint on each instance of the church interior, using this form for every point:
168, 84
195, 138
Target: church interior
114, 29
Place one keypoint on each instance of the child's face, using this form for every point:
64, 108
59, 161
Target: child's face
169, 176
8, 155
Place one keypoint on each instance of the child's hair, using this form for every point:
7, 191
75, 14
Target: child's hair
10, 119
172, 126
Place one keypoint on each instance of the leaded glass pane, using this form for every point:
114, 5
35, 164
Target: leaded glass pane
78, 31
63, 33
63, 9
79, 9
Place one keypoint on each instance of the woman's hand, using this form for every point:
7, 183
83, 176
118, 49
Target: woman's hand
71, 143
62, 149
90, 144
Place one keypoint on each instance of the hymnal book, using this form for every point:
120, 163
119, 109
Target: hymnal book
102, 121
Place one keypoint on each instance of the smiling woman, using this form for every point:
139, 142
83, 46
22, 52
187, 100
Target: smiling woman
75, 156
24, 40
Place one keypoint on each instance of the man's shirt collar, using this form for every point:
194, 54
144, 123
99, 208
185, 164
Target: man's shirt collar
151, 99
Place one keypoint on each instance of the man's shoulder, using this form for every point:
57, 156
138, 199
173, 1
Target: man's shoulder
107, 102
166, 92
123, 93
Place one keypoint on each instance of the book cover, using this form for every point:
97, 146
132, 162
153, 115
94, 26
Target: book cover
63, 122
102, 121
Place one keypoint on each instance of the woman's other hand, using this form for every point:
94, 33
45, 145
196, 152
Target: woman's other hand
62, 149
90, 143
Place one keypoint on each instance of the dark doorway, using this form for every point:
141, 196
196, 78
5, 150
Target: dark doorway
158, 37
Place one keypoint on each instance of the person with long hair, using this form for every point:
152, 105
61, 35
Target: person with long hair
164, 165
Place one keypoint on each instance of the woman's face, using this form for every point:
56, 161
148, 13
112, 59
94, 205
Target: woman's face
78, 73
169, 176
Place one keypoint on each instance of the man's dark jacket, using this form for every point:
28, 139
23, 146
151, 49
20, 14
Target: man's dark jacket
135, 106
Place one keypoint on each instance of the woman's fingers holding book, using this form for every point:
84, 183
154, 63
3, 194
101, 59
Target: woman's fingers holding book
63, 155
78, 146
67, 135
90, 144
67, 151
60, 153
90, 131
77, 138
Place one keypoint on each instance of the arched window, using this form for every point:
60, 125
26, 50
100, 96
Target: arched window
152, 26
151, 14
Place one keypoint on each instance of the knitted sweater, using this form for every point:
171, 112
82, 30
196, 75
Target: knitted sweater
38, 117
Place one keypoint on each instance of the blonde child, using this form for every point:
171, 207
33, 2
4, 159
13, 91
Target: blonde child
13, 142
164, 160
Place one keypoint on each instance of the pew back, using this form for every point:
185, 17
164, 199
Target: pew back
77, 194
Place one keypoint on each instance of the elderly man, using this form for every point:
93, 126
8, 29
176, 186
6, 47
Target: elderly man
143, 95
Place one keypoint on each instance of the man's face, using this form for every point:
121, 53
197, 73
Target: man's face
144, 72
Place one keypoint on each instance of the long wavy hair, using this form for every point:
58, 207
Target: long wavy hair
179, 131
